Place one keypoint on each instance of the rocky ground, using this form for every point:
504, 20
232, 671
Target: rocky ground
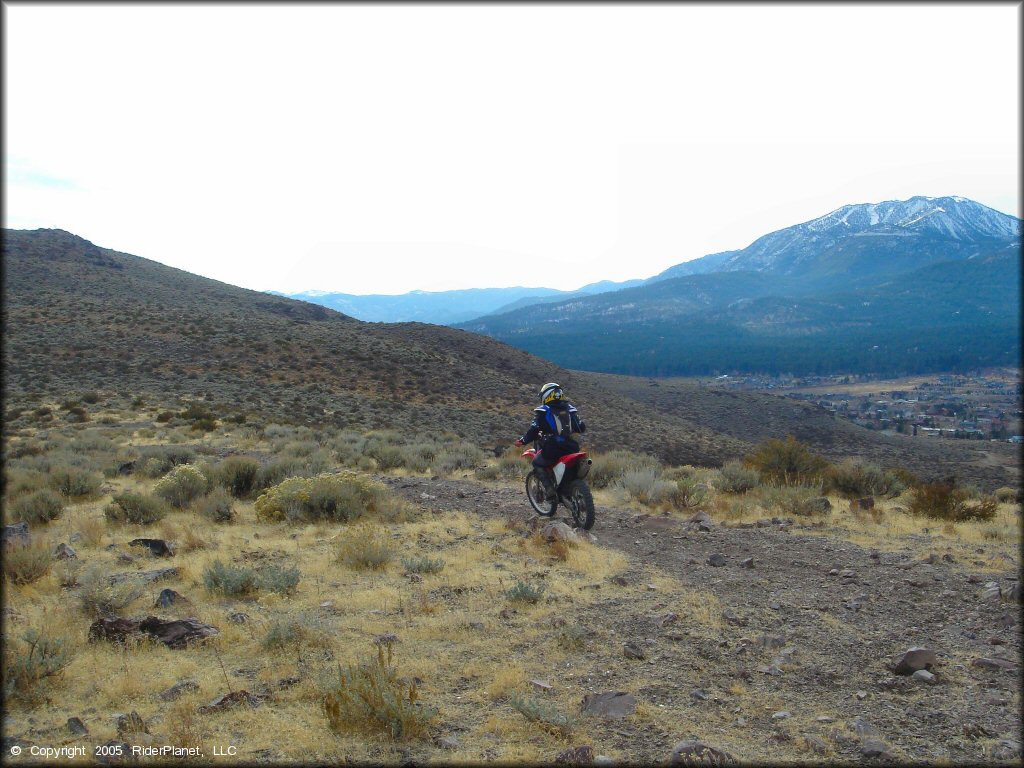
811, 630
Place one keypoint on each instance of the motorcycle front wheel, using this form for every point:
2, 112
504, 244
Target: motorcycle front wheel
538, 496
581, 504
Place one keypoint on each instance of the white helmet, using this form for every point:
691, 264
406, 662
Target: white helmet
550, 392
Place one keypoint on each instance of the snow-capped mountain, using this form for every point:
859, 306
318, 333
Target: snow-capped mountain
958, 227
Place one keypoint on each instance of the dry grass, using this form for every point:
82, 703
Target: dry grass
451, 633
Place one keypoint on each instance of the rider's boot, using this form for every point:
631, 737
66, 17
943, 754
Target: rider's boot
549, 485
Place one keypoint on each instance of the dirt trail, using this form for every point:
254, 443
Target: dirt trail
794, 637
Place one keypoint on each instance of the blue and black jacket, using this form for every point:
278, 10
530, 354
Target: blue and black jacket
555, 423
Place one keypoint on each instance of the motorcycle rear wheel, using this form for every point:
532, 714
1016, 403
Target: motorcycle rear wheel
581, 504
537, 495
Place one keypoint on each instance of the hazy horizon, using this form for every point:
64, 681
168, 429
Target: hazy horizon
384, 149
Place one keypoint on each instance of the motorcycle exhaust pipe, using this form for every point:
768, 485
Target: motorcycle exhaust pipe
584, 469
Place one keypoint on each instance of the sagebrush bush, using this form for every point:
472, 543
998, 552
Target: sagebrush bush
793, 500
387, 456
230, 580
39, 507
853, 478
545, 714
27, 562
158, 460
337, 497
137, 508
31, 664
371, 697
19, 481
238, 474
422, 564
74, 482
366, 547
523, 592
182, 485
1006, 494
100, 598
943, 501
218, 506
733, 477
786, 462
241, 580
295, 632
457, 456
609, 468
647, 487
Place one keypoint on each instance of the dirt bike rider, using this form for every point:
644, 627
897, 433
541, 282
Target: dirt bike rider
554, 422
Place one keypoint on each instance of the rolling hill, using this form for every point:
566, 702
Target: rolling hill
927, 284
78, 317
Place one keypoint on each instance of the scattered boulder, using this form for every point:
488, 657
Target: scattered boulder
814, 744
696, 753
821, 505
16, 533
582, 755
156, 547
179, 689
126, 468
559, 531
915, 659
168, 598
923, 676
877, 748
996, 665
229, 700
144, 576
65, 552
542, 685
748, 563
177, 633
116, 630
130, 724
174, 633
446, 742
633, 651
77, 727
716, 560
239, 617
614, 704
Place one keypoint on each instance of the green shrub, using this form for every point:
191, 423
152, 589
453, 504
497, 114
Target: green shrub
19, 481
457, 456
943, 501
230, 580
74, 482
387, 456
218, 506
77, 414
609, 468
100, 598
273, 578
522, 592
365, 547
419, 457
422, 565
238, 474
793, 500
31, 665
164, 416
736, 478
182, 485
646, 487
545, 714
338, 497
90, 398
371, 697
241, 580
690, 492
854, 479
39, 507
295, 632
27, 562
158, 460
786, 462
137, 508
1006, 494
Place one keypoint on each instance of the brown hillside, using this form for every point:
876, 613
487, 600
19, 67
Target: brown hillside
77, 317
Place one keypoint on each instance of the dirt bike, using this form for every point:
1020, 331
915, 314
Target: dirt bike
571, 490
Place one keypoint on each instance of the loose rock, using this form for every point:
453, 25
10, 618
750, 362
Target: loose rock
179, 689
77, 727
65, 552
229, 700
695, 753
156, 547
614, 704
582, 755
915, 659
716, 560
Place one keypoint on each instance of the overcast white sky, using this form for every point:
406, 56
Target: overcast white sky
381, 149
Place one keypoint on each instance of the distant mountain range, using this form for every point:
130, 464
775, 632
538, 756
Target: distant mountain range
78, 318
896, 287
443, 307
